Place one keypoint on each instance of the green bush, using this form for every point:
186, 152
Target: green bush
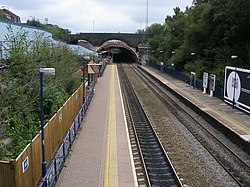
20, 96
213, 30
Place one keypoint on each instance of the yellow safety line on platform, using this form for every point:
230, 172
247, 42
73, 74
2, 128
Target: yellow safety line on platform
111, 176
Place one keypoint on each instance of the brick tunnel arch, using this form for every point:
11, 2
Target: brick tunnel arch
97, 39
126, 54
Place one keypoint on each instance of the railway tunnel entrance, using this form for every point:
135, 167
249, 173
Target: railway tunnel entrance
118, 51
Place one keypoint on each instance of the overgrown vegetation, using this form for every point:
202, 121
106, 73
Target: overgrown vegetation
2, 15
57, 32
19, 103
214, 30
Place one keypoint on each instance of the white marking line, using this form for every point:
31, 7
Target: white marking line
246, 137
205, 109
126, 127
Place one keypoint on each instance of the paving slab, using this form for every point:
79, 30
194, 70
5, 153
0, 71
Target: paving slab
101, 155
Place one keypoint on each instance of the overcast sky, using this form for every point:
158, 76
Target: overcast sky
95, 15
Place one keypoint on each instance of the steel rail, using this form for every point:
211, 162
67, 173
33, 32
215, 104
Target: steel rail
159, 168
236, 171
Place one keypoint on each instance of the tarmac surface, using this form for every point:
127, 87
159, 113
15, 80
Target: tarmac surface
101, 154
234, 119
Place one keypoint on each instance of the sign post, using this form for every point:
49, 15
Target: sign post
205, 81
193, 79
237, 87
212, 84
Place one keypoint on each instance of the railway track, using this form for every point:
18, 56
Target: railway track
231, 162
155, 164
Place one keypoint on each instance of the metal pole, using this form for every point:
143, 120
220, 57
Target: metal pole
194, 70
234, 57
146, 28
83, 80
173, 59
42, 127
83, 68
147, 15
234, 87
194, 73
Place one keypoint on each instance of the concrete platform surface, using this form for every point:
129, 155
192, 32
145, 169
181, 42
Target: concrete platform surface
234, 119
101, 155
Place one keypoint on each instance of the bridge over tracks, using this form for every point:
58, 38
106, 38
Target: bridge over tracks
97, 39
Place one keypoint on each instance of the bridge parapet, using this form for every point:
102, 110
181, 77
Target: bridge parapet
97, 39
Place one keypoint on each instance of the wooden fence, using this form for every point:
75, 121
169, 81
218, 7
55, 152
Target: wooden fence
25, 170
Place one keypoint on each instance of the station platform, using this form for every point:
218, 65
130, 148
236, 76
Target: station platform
101, 154
234, 119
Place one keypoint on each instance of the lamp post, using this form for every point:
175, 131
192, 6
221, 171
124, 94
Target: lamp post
234, 57
173, 64
86, 58
153, 56
147, 59
161, 63
84, 65
49, 71
147, 15
194, 70
161, 55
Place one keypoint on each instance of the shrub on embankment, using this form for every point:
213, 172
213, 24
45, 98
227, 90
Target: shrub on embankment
19, 87
213, 30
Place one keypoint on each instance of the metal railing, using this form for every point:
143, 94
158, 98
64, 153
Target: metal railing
63, 150
219, 92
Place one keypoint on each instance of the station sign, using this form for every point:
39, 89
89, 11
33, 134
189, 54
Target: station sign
25, 164
212, 78
205, 79
237, 87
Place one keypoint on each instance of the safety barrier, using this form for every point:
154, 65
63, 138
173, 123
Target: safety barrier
102, 68
59, 133
64, 148
177, 74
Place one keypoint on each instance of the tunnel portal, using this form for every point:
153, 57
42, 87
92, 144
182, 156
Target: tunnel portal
119, 51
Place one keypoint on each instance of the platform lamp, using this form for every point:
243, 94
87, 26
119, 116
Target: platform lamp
49, 71
173, 64
161, 55
194, 69
161, 62
234, 57
84, 65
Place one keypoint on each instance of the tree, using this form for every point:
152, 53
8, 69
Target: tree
57, 32
21, 90
214, 30
2, 15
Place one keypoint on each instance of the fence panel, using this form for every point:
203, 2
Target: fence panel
55, 132
26, 169
23, 168
36, 155
7, 174
47, 145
